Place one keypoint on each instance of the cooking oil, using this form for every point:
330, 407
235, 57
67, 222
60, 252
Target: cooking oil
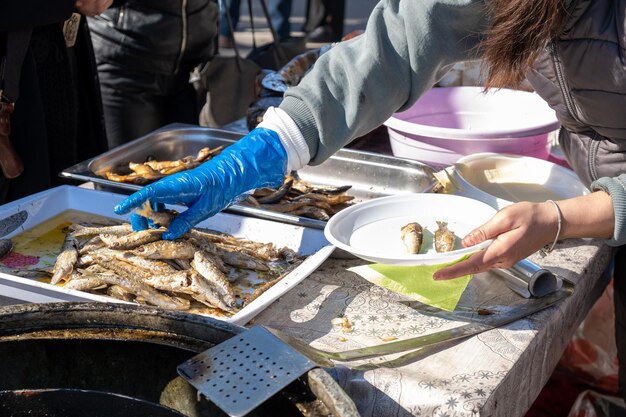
36, 249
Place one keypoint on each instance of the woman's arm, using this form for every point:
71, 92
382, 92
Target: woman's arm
358, 84
523, 228
616, 188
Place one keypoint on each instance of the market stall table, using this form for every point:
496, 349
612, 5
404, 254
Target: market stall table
497, 373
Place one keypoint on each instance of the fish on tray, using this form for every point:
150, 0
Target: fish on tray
149, 171
200, 272
300, 198
294, 196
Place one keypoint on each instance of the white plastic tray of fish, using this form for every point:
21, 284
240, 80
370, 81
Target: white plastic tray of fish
36, 226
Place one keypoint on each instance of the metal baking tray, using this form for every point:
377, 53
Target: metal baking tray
371, 175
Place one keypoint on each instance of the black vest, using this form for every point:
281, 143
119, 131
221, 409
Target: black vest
582, 76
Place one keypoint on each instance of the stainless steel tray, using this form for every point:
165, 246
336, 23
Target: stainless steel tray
370, 175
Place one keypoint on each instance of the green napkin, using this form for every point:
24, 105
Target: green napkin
417, 282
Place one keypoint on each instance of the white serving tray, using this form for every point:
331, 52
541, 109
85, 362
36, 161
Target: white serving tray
26, 213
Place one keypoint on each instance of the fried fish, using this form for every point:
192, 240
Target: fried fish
444, 238
412, 237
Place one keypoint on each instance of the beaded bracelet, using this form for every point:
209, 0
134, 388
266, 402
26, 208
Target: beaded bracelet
548, 248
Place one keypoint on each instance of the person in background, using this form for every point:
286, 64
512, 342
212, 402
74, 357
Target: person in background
145, 51
279, 11
51, 109
569, 50
324, 20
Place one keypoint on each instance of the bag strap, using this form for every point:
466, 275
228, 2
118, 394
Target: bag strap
275, 39
252, 24
269, 22
270, 26
231, 35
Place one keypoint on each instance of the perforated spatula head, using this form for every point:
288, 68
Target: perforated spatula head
241, 373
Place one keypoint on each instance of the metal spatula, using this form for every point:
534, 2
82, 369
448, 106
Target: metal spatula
241, 373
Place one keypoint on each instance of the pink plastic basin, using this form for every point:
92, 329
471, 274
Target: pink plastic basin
449, 122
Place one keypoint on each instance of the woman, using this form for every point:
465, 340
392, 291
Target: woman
570, 50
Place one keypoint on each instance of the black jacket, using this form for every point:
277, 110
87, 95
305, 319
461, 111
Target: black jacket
58, 118
159, 36
17, 20
582, 76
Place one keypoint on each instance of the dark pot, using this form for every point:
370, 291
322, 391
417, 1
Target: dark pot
97, 359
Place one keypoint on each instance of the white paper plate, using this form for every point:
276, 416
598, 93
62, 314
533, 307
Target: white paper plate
371, 230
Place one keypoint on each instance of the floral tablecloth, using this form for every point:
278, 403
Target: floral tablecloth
497, 373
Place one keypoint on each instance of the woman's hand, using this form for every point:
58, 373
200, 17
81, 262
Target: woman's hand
521, 229
92, 7
518, 231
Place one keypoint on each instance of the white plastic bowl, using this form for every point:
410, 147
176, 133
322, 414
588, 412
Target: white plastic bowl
447, 123
500, 180
371, 229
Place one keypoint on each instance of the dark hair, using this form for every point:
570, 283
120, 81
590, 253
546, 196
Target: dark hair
518, 32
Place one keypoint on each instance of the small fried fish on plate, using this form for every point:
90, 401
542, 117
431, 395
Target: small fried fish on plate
375, 230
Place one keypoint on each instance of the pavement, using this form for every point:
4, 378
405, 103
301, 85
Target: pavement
356, 15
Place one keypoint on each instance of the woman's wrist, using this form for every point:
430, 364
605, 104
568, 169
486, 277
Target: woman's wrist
559, 224
590, 216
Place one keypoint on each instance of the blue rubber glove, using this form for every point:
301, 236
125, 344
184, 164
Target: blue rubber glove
257, 160
139, 222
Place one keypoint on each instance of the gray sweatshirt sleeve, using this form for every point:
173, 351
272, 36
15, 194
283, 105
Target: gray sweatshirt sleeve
360, 83
616, 188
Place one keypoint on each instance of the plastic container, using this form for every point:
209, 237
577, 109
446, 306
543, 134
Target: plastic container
558, 157
500, 180
449, 122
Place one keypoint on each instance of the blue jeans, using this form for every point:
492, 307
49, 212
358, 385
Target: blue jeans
279, 11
